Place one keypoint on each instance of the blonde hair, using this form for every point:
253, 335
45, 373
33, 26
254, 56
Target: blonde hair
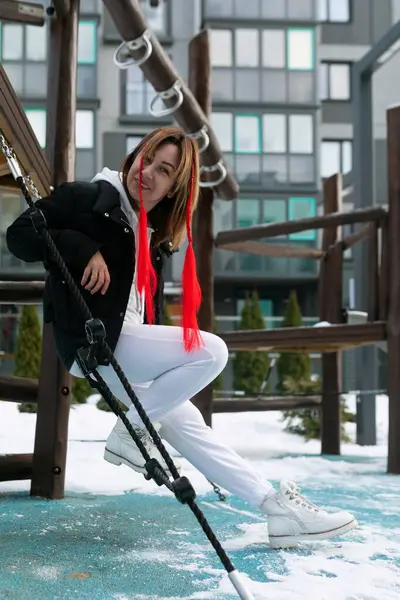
169, 218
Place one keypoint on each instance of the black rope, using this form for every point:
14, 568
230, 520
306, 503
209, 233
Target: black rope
95, 331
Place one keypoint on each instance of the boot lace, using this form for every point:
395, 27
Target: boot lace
294, 494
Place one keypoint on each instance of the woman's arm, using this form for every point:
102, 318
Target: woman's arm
75, 247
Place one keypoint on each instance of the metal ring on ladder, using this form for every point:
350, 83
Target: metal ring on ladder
201, 135
122, 56
175, 90
219, 166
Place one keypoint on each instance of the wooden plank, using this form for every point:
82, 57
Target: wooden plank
233, 405
252, 247
15, 467
21, 292
318, 339
159, 70
18, 389
15, 11
19, 133
51, 439
330, 310
362, 215
200, 85
393, 324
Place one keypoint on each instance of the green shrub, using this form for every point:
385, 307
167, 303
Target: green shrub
29, 349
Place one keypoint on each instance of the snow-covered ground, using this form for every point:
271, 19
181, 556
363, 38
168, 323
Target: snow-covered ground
320, 571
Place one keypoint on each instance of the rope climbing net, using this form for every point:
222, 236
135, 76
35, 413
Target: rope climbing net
87, 358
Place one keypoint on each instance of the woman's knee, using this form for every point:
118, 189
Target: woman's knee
217, 348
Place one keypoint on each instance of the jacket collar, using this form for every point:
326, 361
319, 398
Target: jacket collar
108, 203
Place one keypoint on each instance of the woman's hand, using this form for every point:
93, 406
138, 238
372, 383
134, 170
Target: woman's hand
96, 276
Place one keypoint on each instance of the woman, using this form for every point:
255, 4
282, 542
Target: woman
114, 235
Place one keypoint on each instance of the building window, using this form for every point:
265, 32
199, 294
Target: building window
334, 11
300, 49
335, 81
84, 129
87, 42
274, 211
248, 212
301, 134
336, 157
37, 119
273, 49
138, 93
293, 48
247, 47
84, 126
156, 16
269, 149
221, 47
222, 124
132, 141
274, 133
302, 208
248, 134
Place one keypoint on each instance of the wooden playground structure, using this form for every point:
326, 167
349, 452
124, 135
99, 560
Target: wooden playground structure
190, 105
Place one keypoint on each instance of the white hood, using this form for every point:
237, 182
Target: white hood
113, 177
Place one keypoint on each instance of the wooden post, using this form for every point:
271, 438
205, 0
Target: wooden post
373, 261
200, 86
48, 472
393, 322
330, 309
384, 272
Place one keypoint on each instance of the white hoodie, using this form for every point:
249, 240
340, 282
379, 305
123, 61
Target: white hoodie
135, 309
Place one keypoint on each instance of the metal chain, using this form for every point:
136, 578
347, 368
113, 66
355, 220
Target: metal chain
15, 167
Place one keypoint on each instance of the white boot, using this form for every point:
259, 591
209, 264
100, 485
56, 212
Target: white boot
292, 519
121, 449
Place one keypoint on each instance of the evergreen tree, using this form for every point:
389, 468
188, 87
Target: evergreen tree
293, 365
250, 368
28, 350
81, 390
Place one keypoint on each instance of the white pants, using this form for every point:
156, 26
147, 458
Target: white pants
156, 354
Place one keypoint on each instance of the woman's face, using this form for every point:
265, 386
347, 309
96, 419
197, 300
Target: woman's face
158, 177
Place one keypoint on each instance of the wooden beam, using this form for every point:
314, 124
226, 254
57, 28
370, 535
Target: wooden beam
312, 339
15, 467
234, 405
159, 70
62, 7
393, 324
200, 86
21, 292
51, 439
252, 247
19, 133
18, 389
362, 215
353, 238
15, 11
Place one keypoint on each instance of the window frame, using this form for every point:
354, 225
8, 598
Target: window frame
328, 64
310, 235
94, 26
327, 6
311, 31
341, 142
257, 116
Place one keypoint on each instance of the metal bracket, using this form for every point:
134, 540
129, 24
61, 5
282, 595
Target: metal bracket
122, 55
219, 166
201, 135
175, 90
